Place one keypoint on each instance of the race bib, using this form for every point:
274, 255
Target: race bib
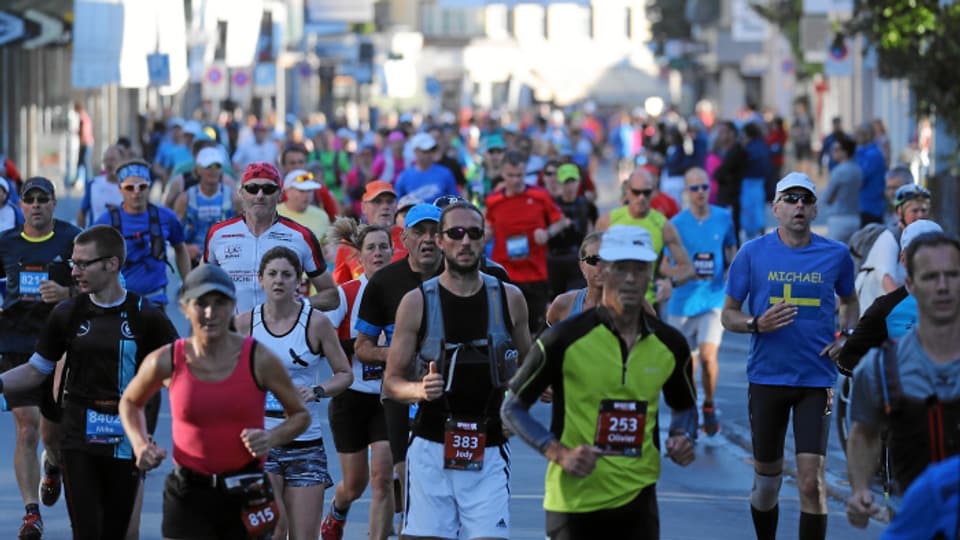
103, 428
372, 372
260, 519
620, 426
272, 404
463, 444
704, 265
30, 278
518, 247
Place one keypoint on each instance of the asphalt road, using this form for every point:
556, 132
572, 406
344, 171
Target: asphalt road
707, 500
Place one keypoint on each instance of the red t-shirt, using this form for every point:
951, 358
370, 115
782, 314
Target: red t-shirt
665, 204
347, 265
513, 219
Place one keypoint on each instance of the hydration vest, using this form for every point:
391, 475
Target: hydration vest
158, 247
503, 357
920, 431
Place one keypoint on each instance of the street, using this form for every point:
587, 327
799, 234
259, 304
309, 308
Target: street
708, 499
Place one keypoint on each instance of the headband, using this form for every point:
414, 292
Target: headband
131, 170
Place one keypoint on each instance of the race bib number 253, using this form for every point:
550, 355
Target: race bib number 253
620, 427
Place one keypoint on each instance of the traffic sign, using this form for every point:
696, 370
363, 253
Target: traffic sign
51, 29
241, 85
158, 68
240, 78
12, 28
214, 86
265, 79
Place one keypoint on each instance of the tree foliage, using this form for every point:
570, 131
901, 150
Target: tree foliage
918, 40
668, 20
786, 14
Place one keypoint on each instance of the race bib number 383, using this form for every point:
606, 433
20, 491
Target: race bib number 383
463, 444
620, 426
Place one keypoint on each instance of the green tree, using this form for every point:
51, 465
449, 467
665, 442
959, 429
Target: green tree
786, 14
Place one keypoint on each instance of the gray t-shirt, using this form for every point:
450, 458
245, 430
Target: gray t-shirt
845, 180
920, 378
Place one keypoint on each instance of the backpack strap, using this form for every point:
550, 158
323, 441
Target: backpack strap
158, 247
889, 376
115, 218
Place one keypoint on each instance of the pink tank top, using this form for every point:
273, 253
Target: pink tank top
208, 417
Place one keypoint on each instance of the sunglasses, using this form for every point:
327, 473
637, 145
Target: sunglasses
638, 192
591, 260
496, 150
909, 193
215, 166
42, 199
444, 201
83, 265
457, 233
794, 198
701, 187
267, 189
135, 187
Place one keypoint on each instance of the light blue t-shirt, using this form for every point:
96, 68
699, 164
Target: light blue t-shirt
143, 273
704, 242
806, 277
426, 185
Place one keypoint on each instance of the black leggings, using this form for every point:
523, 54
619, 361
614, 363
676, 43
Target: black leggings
770, 408
100, 493
639, 519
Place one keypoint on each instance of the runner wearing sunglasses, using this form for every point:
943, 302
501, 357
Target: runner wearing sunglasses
237, 244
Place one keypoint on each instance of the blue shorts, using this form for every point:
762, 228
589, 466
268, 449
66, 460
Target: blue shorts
300, 464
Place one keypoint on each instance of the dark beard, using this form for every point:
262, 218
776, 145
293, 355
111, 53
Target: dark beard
461, 269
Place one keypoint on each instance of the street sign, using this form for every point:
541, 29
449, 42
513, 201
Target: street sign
241, 87
11, 28
839, 61
265, 79
214, 86
158, 68
51, 29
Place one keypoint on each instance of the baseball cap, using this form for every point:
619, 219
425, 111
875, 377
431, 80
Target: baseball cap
796, 180
406, 118
423, 141
568, 172
192, 127
205, 279
916, 229
300, 179
376, 188
408, 201
38, 182
261, 170
627, 243
175, 122
422, 212
209, 156
910, 192
494, 142
344, 133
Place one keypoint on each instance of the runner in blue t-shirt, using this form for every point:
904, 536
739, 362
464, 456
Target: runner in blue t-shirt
791, 277
145, 270
708, 235
426, 179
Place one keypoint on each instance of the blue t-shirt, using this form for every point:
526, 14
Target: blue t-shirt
704, 242
806, 277
930, 506
902, 318
427, 185
874, 169
170, 154
142, 272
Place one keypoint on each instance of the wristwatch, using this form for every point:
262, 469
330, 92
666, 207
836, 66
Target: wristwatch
753, 325
319, 393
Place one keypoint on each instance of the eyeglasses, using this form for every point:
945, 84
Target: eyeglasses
910, 192
83, 265
42, 199
267, 189
216, 166
591, 260
700, 187
794, 198
135, 187
638, 192
496, 150
457, 233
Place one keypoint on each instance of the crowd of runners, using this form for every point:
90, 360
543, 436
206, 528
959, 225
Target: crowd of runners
452, 272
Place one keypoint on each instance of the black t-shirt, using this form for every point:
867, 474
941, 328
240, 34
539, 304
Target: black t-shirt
24, 264
567, 242
471, 393
104, 351
381, 298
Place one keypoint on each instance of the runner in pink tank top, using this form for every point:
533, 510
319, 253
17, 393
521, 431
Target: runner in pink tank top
217, 381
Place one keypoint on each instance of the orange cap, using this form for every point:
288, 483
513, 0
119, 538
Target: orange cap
376, 188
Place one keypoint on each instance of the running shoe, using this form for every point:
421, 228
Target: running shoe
710, 423
50, 482
32, 528
332, 529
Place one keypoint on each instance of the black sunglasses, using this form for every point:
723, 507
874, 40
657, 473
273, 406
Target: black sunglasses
457, 233
267, 189
794, 198
83, 265
638, 192
42, 199
592, 260
699, 187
